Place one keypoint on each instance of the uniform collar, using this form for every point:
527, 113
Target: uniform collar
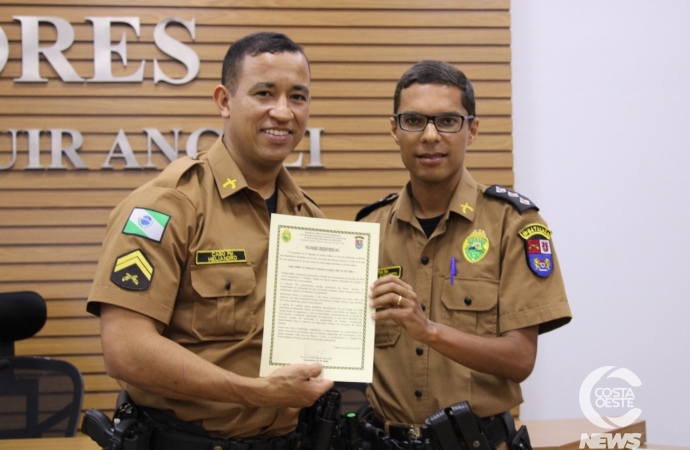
230, 180
463, 202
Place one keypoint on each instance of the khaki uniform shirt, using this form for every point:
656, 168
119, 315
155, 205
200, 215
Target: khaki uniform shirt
207, 277
488, 297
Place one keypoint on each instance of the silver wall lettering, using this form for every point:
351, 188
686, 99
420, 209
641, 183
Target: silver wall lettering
177, 50
193, 140
56, 150
53, 54
103, 50
296, 164
122, 148
315, 147
314, 151
4, 49
34, 150
126, 152
153, 135
14, 151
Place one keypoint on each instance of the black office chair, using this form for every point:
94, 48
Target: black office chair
22, 314
39, 397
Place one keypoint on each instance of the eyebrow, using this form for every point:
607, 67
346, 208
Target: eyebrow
269, 85
447, 113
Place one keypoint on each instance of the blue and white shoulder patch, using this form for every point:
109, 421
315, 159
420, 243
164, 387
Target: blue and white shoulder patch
520, 202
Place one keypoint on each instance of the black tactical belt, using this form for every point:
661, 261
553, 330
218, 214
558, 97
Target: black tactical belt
171, 433
498, 428
166, 440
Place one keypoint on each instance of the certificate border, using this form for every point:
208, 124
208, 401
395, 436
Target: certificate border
275, 292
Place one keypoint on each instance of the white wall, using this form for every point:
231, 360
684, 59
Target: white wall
602, 144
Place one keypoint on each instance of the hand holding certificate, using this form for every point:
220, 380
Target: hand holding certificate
317, 296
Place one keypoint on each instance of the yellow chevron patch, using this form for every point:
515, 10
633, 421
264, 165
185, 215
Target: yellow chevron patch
138, 258
133, 271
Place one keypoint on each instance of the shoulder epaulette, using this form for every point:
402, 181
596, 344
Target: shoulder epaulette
175, 170
309, 198
376, 205
520, 202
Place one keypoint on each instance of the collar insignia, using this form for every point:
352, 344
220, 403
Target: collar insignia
465, 207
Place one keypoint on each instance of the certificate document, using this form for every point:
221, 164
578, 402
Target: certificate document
317, 296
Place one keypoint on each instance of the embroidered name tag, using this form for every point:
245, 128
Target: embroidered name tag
393, 270
220, 256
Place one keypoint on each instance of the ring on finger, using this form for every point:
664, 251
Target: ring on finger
397, 304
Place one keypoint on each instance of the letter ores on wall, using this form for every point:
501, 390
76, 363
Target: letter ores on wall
54, 209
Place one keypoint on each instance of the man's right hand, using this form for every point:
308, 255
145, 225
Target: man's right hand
294, 385
136, 353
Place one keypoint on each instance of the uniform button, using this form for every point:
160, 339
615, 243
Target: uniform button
227, 285
423, 306
420, 351
418, 394
468, 301
425, 260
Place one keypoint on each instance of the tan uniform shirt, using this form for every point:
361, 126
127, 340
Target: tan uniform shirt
489, 296
207, 275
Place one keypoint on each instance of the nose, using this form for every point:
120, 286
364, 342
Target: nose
430, 133
281, 110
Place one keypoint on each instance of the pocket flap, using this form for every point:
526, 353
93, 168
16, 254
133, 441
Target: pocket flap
469, 294
223, 280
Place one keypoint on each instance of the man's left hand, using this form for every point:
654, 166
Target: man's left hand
394, 299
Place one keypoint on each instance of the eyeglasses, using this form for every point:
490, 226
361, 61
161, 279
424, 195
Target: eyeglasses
444, 123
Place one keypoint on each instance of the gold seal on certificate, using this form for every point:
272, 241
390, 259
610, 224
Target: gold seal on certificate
317, 296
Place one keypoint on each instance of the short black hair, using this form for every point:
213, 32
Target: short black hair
436, 72
254, 44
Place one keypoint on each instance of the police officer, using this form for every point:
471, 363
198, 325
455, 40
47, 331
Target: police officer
469, 277
180, 286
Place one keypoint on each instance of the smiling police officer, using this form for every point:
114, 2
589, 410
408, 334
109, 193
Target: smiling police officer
472, 275
181, 284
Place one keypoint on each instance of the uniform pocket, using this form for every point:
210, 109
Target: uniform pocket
387, 333
222, 310
471, 305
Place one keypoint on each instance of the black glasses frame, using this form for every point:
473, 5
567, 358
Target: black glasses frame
433, 120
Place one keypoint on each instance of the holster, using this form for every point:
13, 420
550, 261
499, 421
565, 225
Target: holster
457, 427
520, 440
127, 430
320, 423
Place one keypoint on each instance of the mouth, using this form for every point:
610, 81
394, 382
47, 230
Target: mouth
276, 132
431, 157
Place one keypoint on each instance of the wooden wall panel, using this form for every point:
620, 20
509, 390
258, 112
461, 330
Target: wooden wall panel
52, 221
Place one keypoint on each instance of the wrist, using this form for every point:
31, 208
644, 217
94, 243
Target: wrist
244, 390
431, 333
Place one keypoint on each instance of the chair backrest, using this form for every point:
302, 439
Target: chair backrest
39, 397
22, 314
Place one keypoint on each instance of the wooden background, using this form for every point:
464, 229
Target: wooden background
52, 221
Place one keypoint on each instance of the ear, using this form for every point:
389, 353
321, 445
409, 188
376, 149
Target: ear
394, 130
474, 131
221, 96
